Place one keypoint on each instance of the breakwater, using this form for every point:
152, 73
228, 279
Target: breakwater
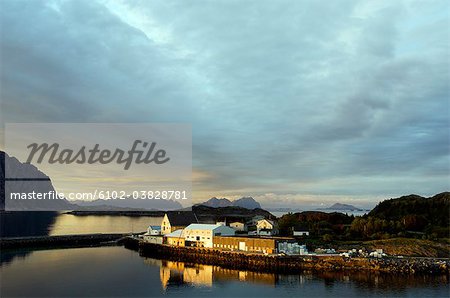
287, 264
83, 240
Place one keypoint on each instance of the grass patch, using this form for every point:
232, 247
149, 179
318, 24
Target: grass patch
411, 247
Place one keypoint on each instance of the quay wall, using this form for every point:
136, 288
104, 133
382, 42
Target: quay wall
288, 264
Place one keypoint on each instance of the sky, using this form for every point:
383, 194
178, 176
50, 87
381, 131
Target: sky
292, 102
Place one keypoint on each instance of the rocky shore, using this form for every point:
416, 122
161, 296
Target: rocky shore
289, 264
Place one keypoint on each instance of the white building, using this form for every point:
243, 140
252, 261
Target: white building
153, 230
238, 226
290, 248
201, 235
266, 227
156, 239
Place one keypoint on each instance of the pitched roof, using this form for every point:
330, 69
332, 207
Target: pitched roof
268, 220
202, 227
176, 233
181, 218
158, 228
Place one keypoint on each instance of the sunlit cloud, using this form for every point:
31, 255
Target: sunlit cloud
297, 99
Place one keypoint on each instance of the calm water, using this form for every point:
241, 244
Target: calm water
16, 224
116, 271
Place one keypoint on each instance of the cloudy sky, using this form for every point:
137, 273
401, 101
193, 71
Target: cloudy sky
292, 102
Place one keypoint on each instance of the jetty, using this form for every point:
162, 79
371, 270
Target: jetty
62, 241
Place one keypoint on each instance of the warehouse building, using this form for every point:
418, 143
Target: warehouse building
202, 235
251, 244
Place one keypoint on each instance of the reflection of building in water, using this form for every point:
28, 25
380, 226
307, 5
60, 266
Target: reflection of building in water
294, 280
178, 273
221, 274
153, 262
199, 275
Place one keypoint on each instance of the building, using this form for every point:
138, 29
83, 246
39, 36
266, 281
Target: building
156, 239
291, 248
254, 220
175, 238
251, 244
176, 220
239, 226
202, 235
300, 233
153, 230
266, 227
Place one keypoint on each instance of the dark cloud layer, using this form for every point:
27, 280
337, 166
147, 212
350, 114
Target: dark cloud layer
347, 98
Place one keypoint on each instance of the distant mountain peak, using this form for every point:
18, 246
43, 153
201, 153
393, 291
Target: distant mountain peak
39, 183
244, 202
247, 202
340, 206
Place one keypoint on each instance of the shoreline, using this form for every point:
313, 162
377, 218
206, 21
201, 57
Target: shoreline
238, 260
288, 264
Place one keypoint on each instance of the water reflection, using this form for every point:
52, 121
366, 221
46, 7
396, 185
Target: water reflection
41, 223
178, 275
44, 223
74, 224
118, 272
23, 223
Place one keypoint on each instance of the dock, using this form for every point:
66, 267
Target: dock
62, 241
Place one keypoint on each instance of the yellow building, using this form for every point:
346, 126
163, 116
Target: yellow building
176, 220
175, 238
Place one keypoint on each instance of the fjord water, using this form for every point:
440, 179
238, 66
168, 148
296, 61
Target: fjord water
119, 272
116, 271
18, 224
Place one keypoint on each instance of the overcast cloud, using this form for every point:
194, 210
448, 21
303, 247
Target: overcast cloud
290, 101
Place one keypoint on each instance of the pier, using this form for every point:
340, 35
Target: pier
62, 241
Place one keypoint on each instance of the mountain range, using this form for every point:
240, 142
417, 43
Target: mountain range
340, 206
128, 203
25, 178
244, 202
